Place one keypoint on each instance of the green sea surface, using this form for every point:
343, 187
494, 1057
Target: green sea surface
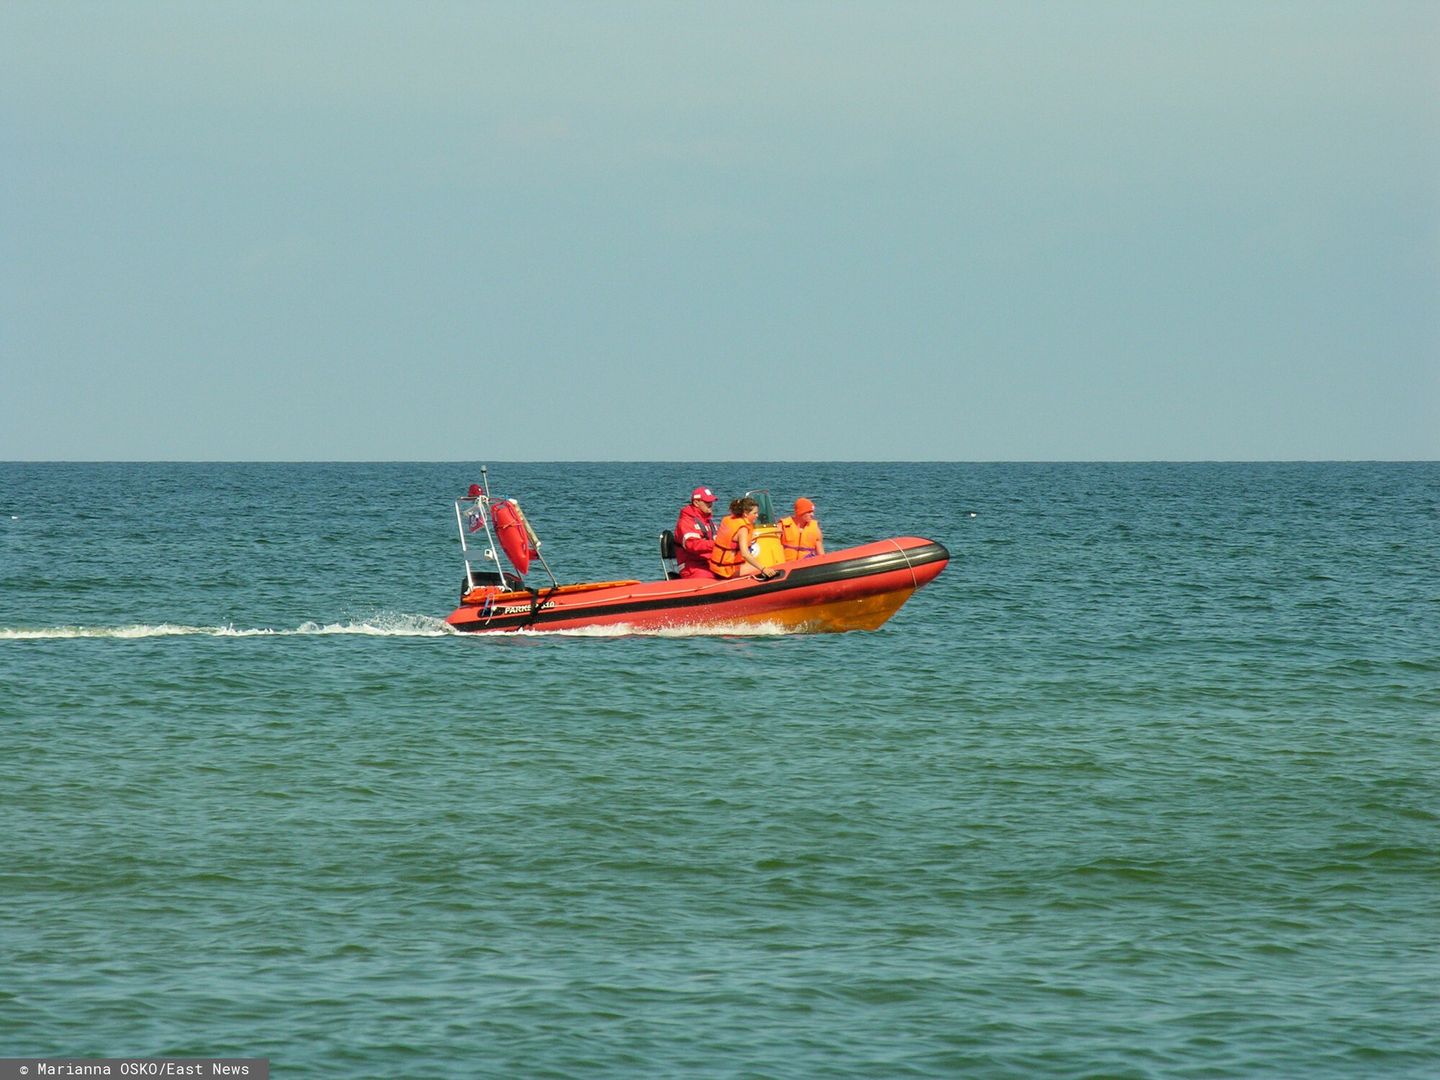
1146, 784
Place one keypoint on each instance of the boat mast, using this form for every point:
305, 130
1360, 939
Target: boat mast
482, 504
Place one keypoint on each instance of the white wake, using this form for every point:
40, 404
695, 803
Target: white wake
622, 630
395, 625
389, 625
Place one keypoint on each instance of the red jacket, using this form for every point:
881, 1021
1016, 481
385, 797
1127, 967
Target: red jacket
694, 538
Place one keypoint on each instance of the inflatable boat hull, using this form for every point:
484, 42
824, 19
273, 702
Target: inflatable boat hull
854, 589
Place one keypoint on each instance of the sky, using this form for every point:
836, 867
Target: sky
695, 231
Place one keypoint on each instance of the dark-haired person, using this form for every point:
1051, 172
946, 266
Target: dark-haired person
731, 555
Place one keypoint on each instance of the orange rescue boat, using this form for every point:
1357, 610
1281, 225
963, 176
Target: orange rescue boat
855, 588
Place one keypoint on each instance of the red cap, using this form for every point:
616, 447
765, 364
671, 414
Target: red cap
474, 492
703, 493
804, 506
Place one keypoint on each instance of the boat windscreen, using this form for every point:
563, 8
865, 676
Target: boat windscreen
762, 498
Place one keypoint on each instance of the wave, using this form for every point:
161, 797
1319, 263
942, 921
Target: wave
622, 630
396, 625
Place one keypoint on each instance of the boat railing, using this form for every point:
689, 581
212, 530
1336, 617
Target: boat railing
473, 522
482, 564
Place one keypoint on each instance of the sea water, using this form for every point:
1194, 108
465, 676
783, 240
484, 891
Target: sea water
1145, 784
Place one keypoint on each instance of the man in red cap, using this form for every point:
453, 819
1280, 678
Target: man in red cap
800, 533
695, 535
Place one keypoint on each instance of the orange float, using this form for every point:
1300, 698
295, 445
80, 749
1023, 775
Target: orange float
513, 534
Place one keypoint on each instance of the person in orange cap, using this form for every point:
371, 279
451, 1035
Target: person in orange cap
800, 533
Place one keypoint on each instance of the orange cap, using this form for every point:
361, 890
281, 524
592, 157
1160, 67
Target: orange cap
804, 506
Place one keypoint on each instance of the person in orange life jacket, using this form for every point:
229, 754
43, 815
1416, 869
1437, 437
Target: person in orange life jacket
731, 556
800, 534
695, 535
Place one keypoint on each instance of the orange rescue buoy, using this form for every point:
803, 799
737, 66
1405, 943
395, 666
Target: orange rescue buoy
510, 531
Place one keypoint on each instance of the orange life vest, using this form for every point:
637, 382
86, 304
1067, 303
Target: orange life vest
725, 558
800, 542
